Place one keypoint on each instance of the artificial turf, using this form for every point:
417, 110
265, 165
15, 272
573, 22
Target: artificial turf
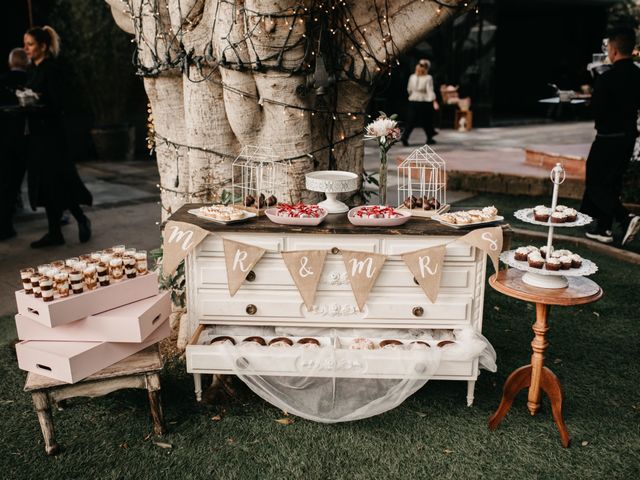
593, 350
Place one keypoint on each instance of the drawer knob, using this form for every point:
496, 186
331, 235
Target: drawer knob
335, 250
251, 276
418, 311
251, 309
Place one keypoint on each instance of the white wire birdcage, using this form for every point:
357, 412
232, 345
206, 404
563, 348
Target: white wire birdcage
260, 179
422, 182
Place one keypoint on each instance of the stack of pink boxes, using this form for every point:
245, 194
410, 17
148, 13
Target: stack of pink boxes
73, 322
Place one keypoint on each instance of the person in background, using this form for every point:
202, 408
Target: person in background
616, 101
422, 103
52, 177
12, 140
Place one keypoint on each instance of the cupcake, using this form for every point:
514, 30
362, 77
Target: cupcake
361, 344
308, 342
576, 260
536, 260
543, 251
521, 254
224, 340
254, 341
280, 342
419, 345
391, 344
571, 214
558, 217
541, 214
561, 208
565, 262
552, 264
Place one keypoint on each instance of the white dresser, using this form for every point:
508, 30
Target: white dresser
269, 296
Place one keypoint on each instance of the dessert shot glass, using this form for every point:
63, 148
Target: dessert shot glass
70, 261
25, 276
141, 262
76, 280
118, 250
90, 274
43, 268
103, 271
35, 285
62, 284
46, 286
58, 264
116, 269
130, 269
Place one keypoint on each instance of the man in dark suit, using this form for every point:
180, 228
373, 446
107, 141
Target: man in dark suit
12, 140
616, 101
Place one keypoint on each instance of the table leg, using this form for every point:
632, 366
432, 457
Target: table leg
155, 403
471, 386
519, 379
43, 409
551, 386
197, 381
539, 345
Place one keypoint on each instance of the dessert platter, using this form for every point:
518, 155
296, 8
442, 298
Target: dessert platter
378, 216
222, 214
298, 214
546, 267
560, 216
331, 183
470, 218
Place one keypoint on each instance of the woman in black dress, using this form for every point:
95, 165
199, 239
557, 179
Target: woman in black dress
52, 177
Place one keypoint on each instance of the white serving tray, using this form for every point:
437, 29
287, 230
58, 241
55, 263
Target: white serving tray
247, 216
302, 222
526, 215
497, 219
379, 222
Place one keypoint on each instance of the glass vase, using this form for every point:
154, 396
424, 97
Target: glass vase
382, 177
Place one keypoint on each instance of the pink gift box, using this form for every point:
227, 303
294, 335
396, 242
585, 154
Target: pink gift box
72, 361
131, 323
75, 307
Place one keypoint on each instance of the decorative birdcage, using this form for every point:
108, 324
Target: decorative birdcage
260, 179
422, 183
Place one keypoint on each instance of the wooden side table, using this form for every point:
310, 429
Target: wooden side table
536, 376
141, 370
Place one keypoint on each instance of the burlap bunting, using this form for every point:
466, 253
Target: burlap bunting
488, 240
240, 258
305, 267
179, 239
426, 266
363, 269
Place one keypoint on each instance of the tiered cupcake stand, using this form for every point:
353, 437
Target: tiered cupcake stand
541, 277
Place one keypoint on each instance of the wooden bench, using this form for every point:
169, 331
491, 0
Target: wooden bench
141, 370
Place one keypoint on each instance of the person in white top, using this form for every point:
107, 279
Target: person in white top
422, 103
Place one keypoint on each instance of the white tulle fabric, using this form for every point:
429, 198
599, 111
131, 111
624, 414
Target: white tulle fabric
334, 386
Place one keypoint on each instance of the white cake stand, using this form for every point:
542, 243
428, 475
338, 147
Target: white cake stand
331, 183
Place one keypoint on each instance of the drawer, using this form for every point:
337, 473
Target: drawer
330, 360
331, 308
272, 273
455, 252
359, 243
212, 244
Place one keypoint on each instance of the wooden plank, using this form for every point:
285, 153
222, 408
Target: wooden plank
333, 224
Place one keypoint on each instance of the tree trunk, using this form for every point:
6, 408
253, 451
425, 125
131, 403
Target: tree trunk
222, 75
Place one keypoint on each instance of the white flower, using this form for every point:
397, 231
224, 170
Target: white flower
381, 127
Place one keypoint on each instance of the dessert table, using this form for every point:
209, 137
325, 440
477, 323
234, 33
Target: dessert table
536, 376
269, 298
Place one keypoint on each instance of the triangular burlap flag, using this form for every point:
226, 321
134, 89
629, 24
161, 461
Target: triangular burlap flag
179, 238
363, 269
487, 239
426, 266
240, 258
305, 268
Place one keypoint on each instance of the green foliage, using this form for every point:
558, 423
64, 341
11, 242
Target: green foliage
175, 283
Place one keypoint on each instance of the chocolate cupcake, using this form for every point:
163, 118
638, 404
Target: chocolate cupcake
543, 251
541, 214
521, 254
308, 342
223, 340
280, 342
254, 340
576, 261
552, 264
571, 215
536, 260
565, 262
558, 217
391, 344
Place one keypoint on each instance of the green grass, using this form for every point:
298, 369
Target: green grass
593, 350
